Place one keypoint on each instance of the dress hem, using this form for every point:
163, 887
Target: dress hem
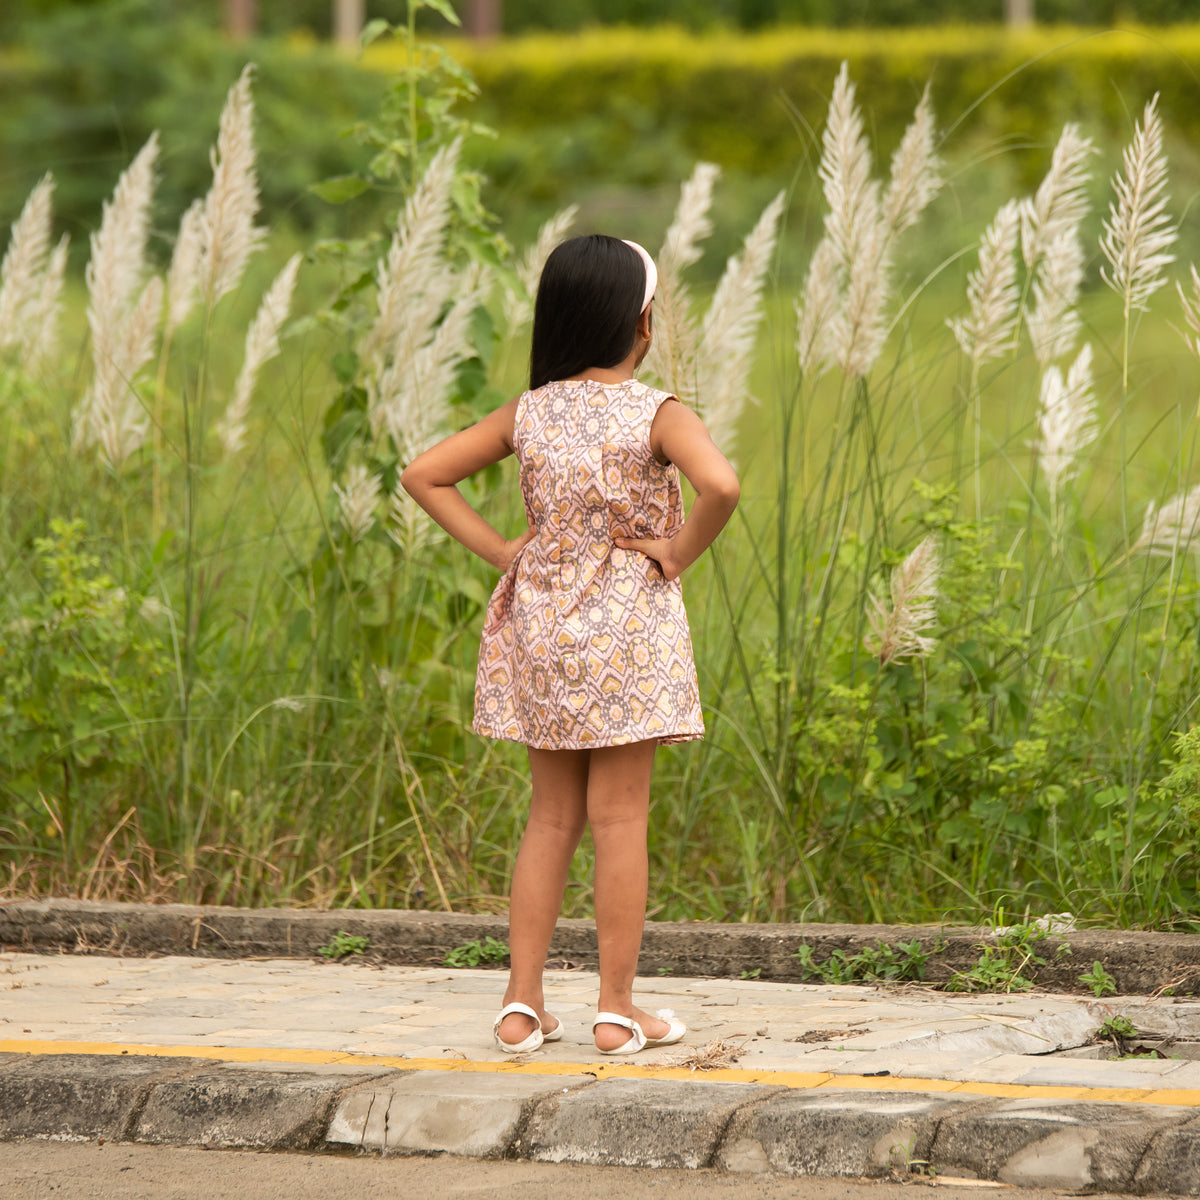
665, 739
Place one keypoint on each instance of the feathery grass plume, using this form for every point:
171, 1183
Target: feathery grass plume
1171, 528
854, 227
119, 314
42, 342
183, 277
672, 355
24, 265
262, 344
357, 500
409, 397
408, 524
897, 632
862, 224
1138, 230
413, 282
1061, 201
120, 427
1066, 420
729, 329
916, 172
1191, 312
519, 307
1052, 247
1053, 320
845, 173
815, 309
989, 328
230, 236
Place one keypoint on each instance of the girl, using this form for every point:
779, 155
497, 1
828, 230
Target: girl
586, 656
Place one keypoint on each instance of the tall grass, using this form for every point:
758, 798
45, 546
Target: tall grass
945, 648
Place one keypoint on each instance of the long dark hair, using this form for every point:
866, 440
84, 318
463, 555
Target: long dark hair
588, 303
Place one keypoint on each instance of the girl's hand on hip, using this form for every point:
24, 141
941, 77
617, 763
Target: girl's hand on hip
659, 549
512, 548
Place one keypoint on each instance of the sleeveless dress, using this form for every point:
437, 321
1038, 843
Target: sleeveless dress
586, 644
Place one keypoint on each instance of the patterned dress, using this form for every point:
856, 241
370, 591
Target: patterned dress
586, 644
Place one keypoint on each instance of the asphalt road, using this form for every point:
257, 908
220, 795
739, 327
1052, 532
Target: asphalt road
67, 1171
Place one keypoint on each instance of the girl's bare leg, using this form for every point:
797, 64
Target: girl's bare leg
618, 808
557, 815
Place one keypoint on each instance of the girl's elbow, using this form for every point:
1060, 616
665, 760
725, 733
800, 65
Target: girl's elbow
410, 479
730, 491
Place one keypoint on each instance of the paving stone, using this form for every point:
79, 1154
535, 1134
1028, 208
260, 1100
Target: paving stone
607, 1122
472, 1114
79, 1096
1053, 1143
1172, 1164
836, 1132
269, 1110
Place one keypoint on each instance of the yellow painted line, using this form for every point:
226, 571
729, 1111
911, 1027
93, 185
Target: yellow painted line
798, 1080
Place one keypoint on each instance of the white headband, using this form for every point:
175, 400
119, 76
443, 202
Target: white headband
651, 273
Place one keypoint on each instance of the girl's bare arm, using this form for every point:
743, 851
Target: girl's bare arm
679, 436
431, 479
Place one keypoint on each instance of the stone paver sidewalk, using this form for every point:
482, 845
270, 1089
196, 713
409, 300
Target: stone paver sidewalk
824, 1080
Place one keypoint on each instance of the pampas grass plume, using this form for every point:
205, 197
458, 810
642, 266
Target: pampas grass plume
520, 307
916, 174
817, 307
1171, 528
1066, 420
262, 344
24, 265
897, 632
729, 329
673, 351
122, 327
230, 236
183, 277
413, 282
989, 328
1139, 231
357, 500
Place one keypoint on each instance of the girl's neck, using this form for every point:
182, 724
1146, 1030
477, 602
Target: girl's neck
618, 374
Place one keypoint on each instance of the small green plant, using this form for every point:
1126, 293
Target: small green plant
1117, 1029
751, 974
1002, 964
474, 954
1099, 980
873, 964
343, 944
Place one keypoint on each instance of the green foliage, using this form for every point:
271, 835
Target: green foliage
1118, 1029
344, 944
1099, 980
79, 661
90, 84
1002, 962
489, 952
899, 962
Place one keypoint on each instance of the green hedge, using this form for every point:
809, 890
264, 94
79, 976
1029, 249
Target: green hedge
523, 16
741, 101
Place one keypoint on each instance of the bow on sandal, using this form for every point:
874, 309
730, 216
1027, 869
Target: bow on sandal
534, 1040
638, 1040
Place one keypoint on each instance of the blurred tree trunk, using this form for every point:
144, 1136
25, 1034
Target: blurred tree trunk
241, 18
483, 18
1018, 13
347, 22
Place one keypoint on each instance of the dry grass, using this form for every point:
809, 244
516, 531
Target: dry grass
712, 1056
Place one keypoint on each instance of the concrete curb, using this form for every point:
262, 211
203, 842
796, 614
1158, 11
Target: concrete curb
1140, 963
692, 1123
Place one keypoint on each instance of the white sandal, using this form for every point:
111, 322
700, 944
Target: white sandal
638, 1040
534, 1040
